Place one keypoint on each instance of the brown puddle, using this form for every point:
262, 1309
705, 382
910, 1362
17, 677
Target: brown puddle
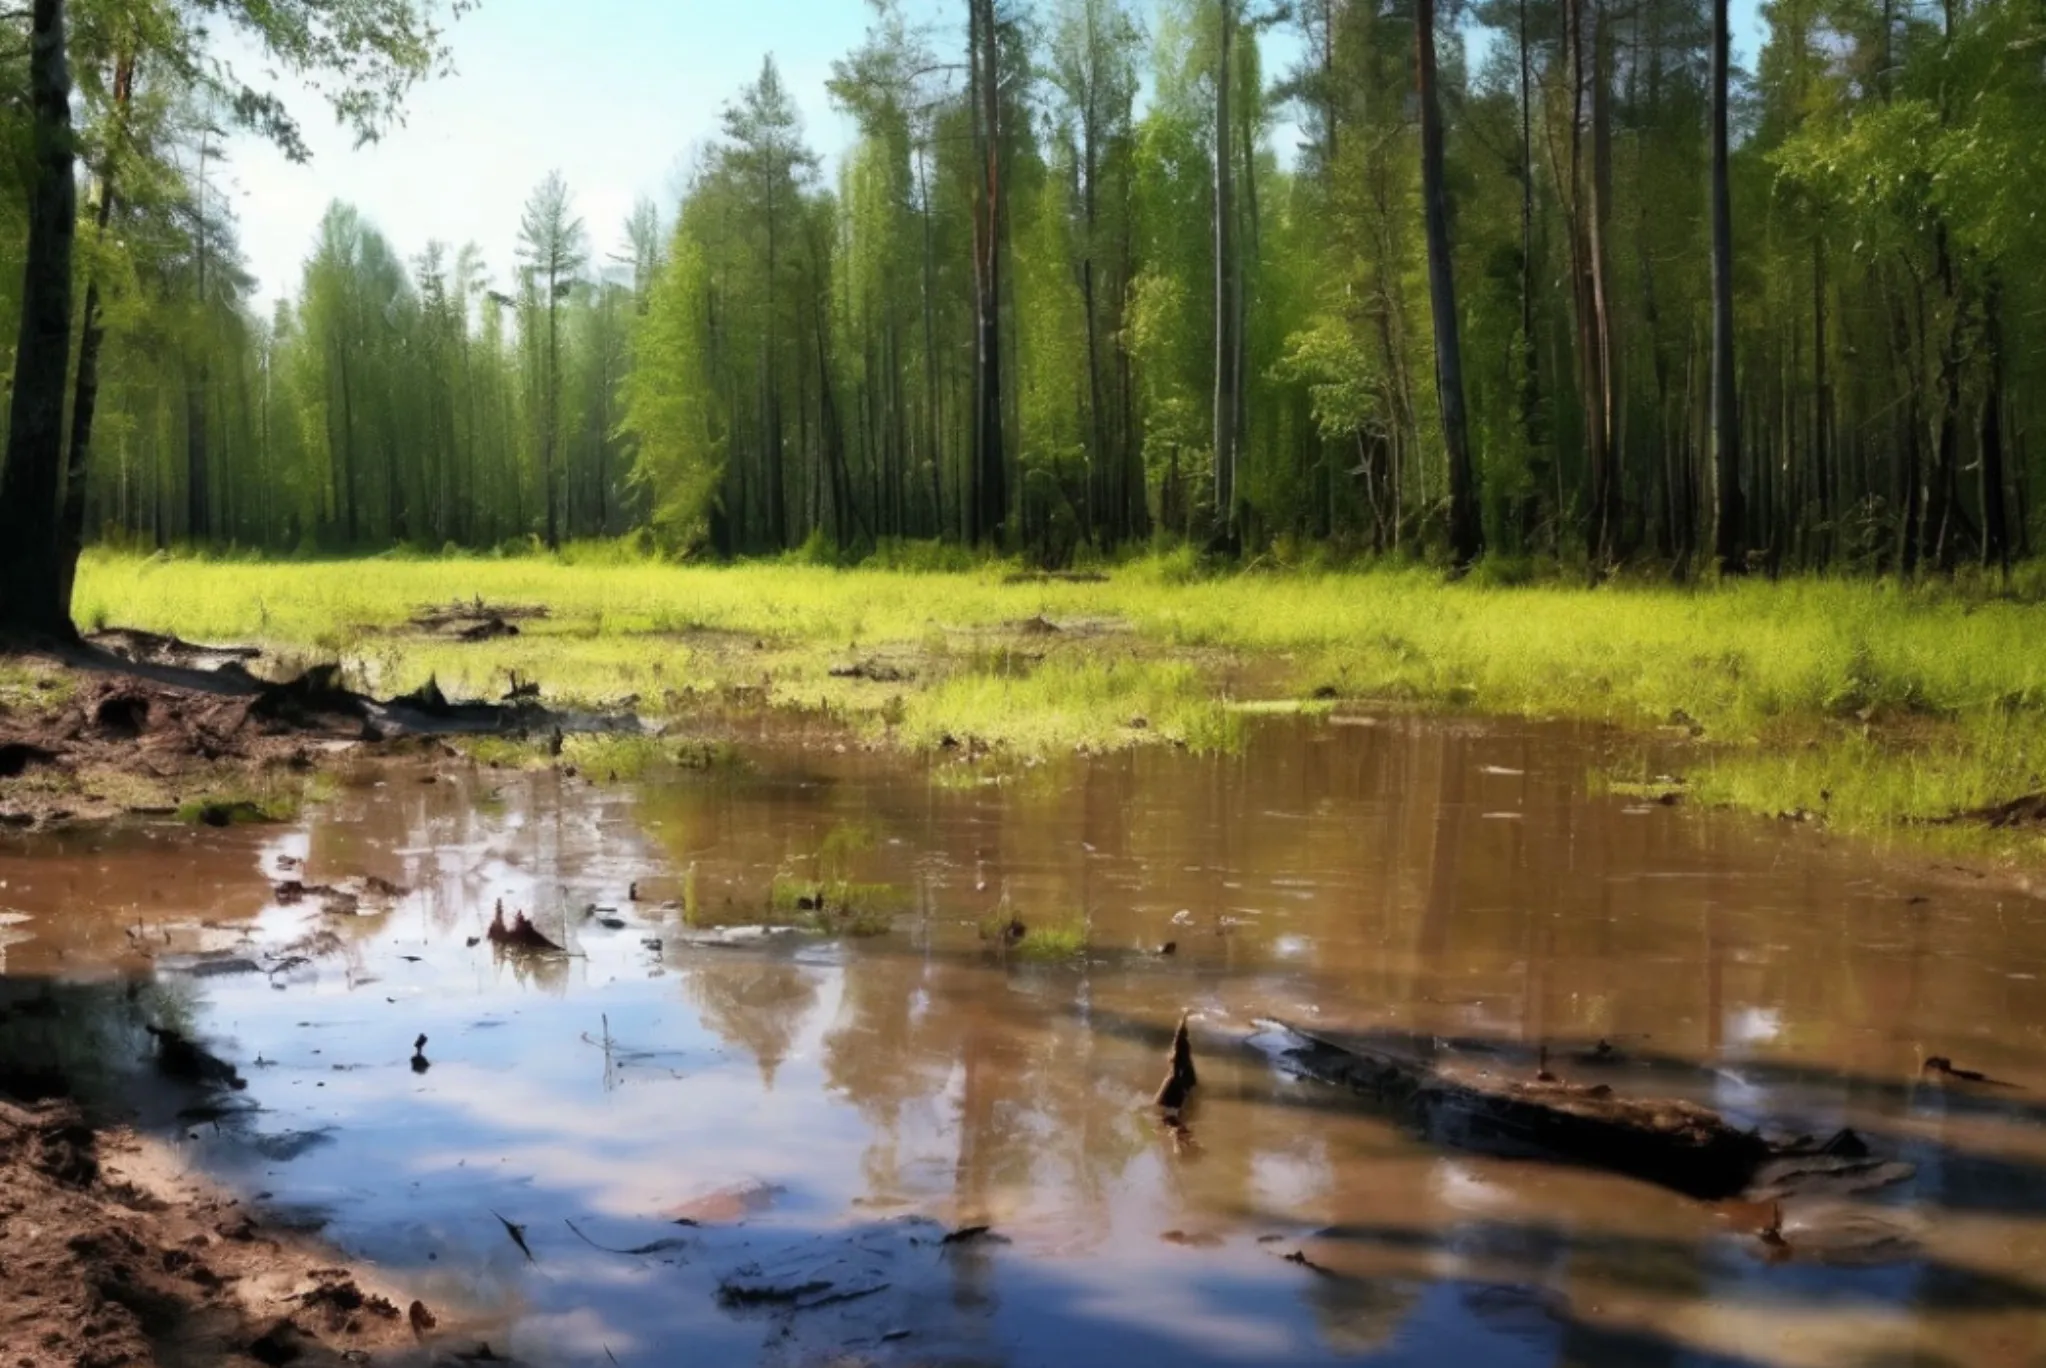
827, 1111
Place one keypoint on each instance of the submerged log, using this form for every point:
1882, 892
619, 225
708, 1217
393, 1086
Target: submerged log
1666, 1141
1942, 1068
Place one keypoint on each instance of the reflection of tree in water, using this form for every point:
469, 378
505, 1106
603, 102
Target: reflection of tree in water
428, 838
1036, 1106
81, 1039
1361, 1315
538, 971
755, 1002
883, 1052
1081, 1085
1032, 1111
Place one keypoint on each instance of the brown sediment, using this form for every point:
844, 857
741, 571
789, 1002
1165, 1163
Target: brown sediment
106, 1258
153, 648
130, 743
129, 723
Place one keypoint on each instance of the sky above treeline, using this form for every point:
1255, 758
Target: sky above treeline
615, 94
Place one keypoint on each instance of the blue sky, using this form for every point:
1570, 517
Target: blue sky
616, 94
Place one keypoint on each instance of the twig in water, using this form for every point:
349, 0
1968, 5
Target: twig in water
518, 1235
656, 1247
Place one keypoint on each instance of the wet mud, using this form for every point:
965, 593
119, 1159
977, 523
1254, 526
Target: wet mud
131, 722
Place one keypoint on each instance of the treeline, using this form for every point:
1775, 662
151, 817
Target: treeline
1067, 290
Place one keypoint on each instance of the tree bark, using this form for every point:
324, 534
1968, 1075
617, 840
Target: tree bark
1725, 411
1466, 531
990, 485
1605, 488
551, 398
1995, 506
92, 336
1822, 410
31, 578
1225, 294
1530, 377
198, 379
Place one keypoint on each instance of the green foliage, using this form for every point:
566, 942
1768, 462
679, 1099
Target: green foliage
788, 365
668, 406
1061, 941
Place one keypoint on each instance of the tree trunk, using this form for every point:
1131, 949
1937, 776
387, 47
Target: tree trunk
198, 380
550, 396
1943, 487
1530, 375
990, 490
31, 573
198, 456
92, 336
933, 415
1995, 508
1098, 505
1822, 412
1725, 412
1225, 294
1605, 492
771, 443
1466, 532
1907, 479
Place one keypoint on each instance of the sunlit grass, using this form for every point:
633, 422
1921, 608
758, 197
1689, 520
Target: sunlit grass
615, 757
1063, 940
240, 799
1083, 703
1864, 702
29, 685
506, 752
837, 907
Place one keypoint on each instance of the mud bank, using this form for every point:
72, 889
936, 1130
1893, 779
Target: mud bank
134, 723
110, 1255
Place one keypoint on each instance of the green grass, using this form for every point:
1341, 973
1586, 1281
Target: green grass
506, 752
239, 803
1065, 940
1870, 703
27, 685
627, 756
1078, 704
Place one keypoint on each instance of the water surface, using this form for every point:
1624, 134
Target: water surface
826, 1111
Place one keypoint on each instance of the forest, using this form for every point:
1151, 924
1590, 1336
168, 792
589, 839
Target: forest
1546, 281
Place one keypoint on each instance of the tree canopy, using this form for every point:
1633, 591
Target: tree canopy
1065, 290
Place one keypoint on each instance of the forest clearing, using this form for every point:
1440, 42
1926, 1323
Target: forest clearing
653, 665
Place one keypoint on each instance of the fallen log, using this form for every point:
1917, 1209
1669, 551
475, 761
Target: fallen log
1665, 1141
475, 620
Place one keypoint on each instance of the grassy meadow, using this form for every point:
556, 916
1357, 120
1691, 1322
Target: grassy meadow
1866, 704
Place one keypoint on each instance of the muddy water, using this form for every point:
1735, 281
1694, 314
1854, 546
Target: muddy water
826, 1111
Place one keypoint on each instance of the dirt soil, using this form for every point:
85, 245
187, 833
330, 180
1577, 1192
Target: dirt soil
108, 1257
96, 744
131, 722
